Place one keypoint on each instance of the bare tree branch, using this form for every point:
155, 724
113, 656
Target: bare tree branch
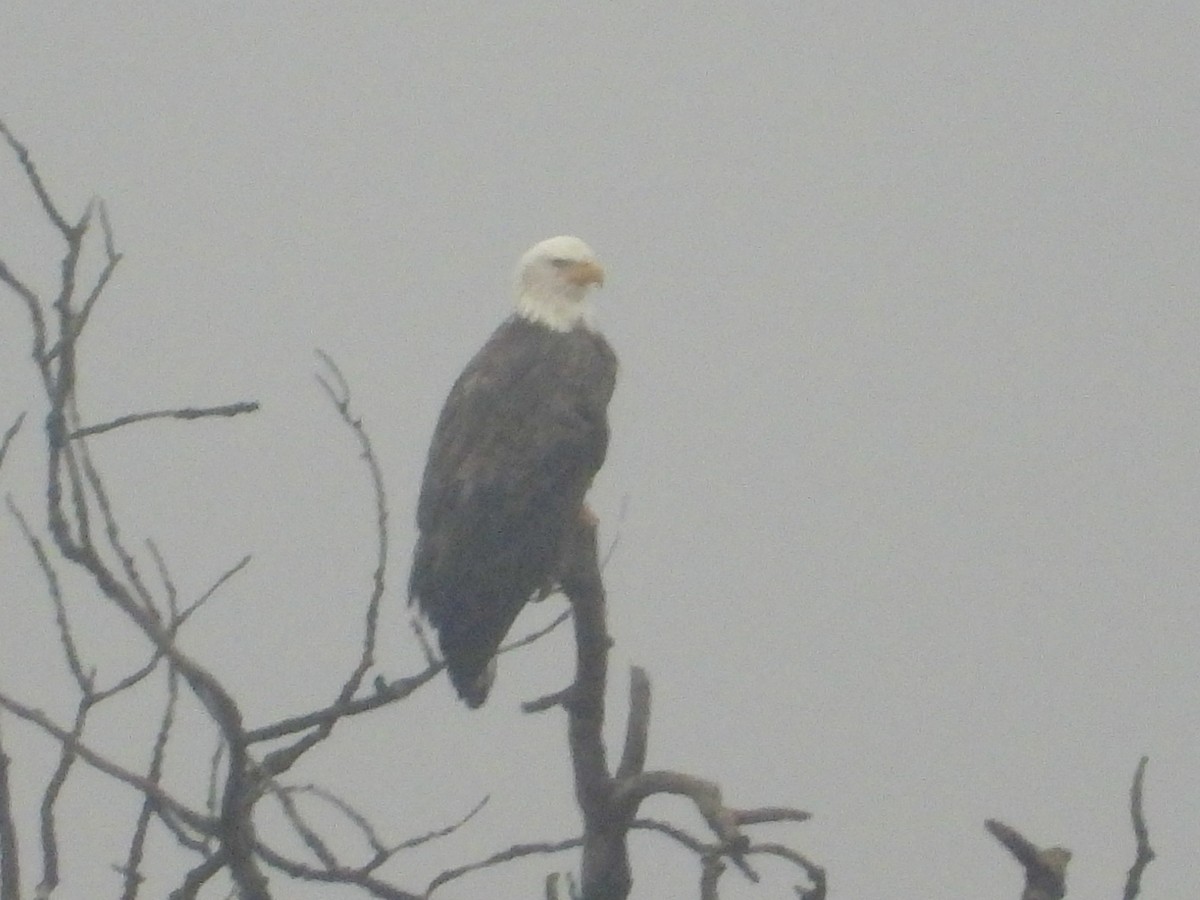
1145, 854
100, 763
381, 852
80, 457
239, 794
516, 851
358, 819
137, 844
374, 886
198, 876
339, 395
33, 306
1045, 870
66, 639
535, 635
704, 794
386, 692
49, 833
707, 852
606, 873
9, 434
212, 799
711, 869
84, 530
230, 409
280, 760
225, 576
637, 725
311, 839
815, 873
609, 803
112, 260
77, 499
10, 867
35, 181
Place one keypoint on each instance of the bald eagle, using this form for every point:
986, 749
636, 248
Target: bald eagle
521, 435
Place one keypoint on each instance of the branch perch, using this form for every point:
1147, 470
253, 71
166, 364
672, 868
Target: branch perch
610, 803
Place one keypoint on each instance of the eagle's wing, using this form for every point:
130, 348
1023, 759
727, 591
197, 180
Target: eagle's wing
521, 435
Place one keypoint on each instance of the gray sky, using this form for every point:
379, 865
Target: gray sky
906, 433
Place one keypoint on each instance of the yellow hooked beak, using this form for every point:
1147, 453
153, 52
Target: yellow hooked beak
584, 273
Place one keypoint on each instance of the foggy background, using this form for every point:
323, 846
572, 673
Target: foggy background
904, 464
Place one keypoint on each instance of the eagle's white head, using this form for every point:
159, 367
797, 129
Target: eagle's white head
553, 279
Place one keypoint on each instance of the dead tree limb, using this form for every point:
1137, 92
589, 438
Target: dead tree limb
1045, 870
605, 867
1145, 854
84, 532
10, 869
231, 409
608, 802
9, 434
223, 838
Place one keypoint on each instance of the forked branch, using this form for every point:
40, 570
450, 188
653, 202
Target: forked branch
609, 803
1046, 869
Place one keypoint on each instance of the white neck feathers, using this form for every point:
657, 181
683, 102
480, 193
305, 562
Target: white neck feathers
557, 311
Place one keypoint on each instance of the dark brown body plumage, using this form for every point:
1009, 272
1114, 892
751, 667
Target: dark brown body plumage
521, 435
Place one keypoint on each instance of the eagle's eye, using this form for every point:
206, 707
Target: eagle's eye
559, 263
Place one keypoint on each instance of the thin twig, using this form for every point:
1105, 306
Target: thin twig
112, 260
9, 434
706, 850
537, 635
139, 783
72, 485
33, 306
815, 873
137, 844
334, 383
431, 657
674, 832
230, 409
65, 636
360, 821
133, 678
339, 394
386, 692
212, 799
187, 611
1145, 854
164, 575
381, 852
49, 831
428, 836
35, 181
311, 839
112, 531
517, 851
344, 876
